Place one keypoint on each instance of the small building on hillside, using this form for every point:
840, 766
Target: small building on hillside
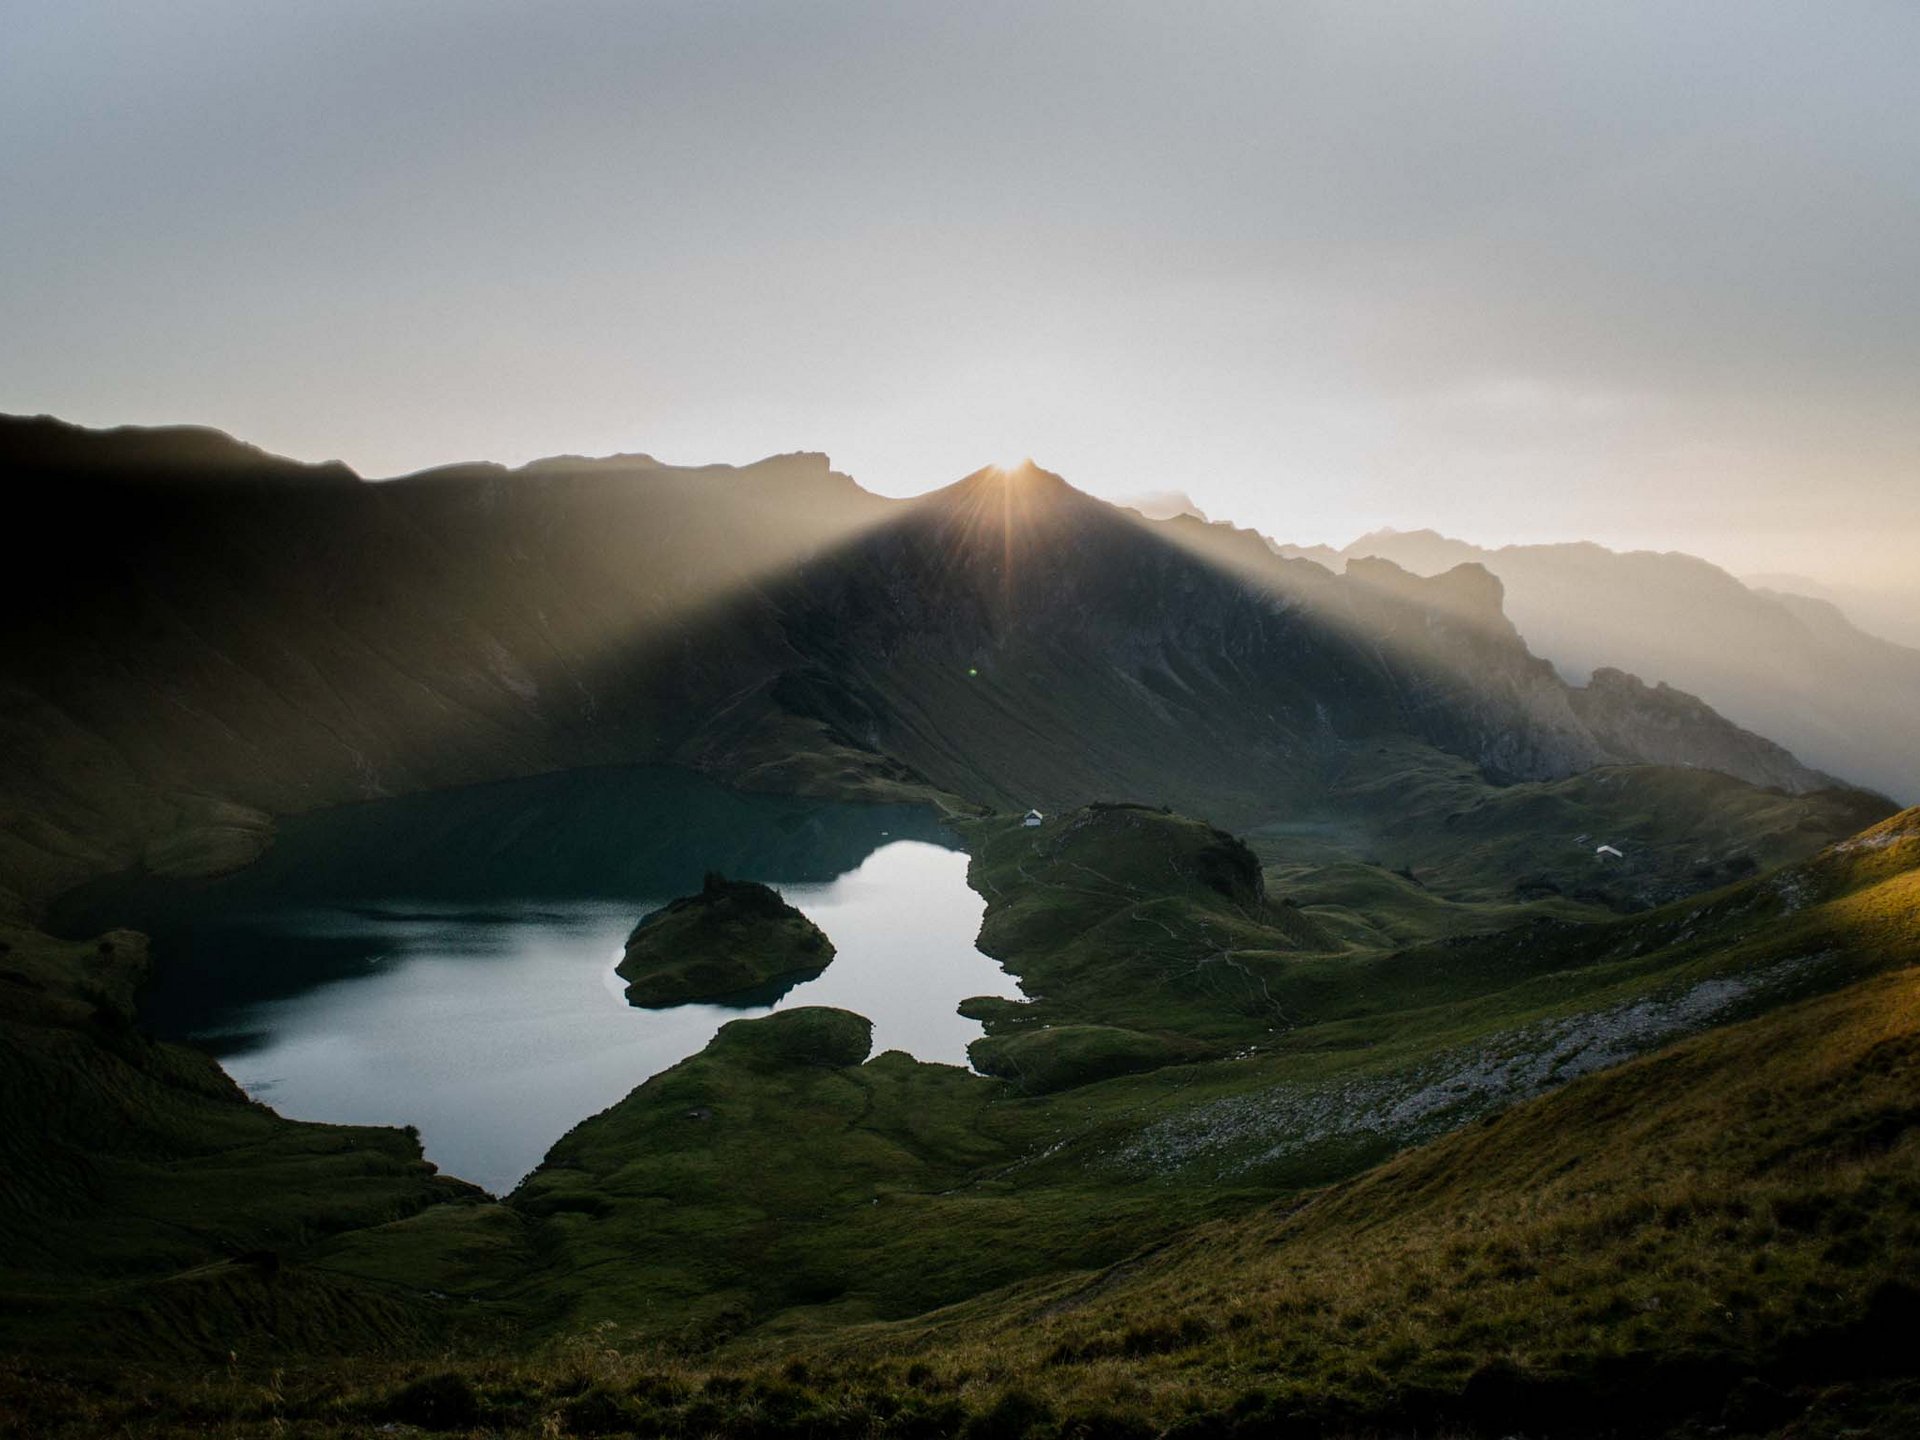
1032, 820
1609, 850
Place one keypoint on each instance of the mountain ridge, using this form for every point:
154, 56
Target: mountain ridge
1007, 639
1791, 668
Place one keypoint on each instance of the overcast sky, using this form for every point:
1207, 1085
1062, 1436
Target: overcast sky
1643, 274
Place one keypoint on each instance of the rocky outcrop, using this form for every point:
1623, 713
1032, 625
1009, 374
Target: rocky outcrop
733, 938
1660, 725
1794, 669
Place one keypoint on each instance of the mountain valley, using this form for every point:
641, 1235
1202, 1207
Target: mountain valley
1409, 1040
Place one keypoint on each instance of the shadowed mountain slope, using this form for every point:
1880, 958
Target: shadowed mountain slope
146, 1203
191, 642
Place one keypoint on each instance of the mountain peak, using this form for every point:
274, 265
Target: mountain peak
1014, 475
1021, 489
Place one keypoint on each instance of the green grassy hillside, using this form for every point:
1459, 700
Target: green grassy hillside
1716, 1238
148, 1207
1726, 1230
734, 936
1196, 1045
782, 1188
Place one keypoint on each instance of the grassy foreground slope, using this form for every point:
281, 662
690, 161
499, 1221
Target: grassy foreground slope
1197, 1045
775, 1184
148, 1207
1745, 1203
1719, 1238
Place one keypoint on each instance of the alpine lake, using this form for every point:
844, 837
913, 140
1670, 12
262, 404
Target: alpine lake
446, 960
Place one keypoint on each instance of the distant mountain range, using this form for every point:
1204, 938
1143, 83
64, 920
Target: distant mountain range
201, 634
1887, 615
1789, 666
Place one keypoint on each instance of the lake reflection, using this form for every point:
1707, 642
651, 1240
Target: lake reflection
496, 1023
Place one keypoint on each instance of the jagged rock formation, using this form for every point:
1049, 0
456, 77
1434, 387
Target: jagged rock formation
1793, 668
1670, 727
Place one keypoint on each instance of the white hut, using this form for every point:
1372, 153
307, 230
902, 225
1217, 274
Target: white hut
1033, 820
1609, 850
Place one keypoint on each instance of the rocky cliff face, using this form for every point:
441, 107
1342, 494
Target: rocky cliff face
1465, 679
1614, 719
1787, 667
1665, 726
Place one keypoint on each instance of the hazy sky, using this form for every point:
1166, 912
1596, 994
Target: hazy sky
1644, 274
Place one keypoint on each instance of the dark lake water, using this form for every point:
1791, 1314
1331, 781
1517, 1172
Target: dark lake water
446, 960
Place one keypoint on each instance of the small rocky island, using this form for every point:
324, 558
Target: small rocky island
733, 938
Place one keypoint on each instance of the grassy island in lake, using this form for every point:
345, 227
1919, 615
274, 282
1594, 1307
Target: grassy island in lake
733, 937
